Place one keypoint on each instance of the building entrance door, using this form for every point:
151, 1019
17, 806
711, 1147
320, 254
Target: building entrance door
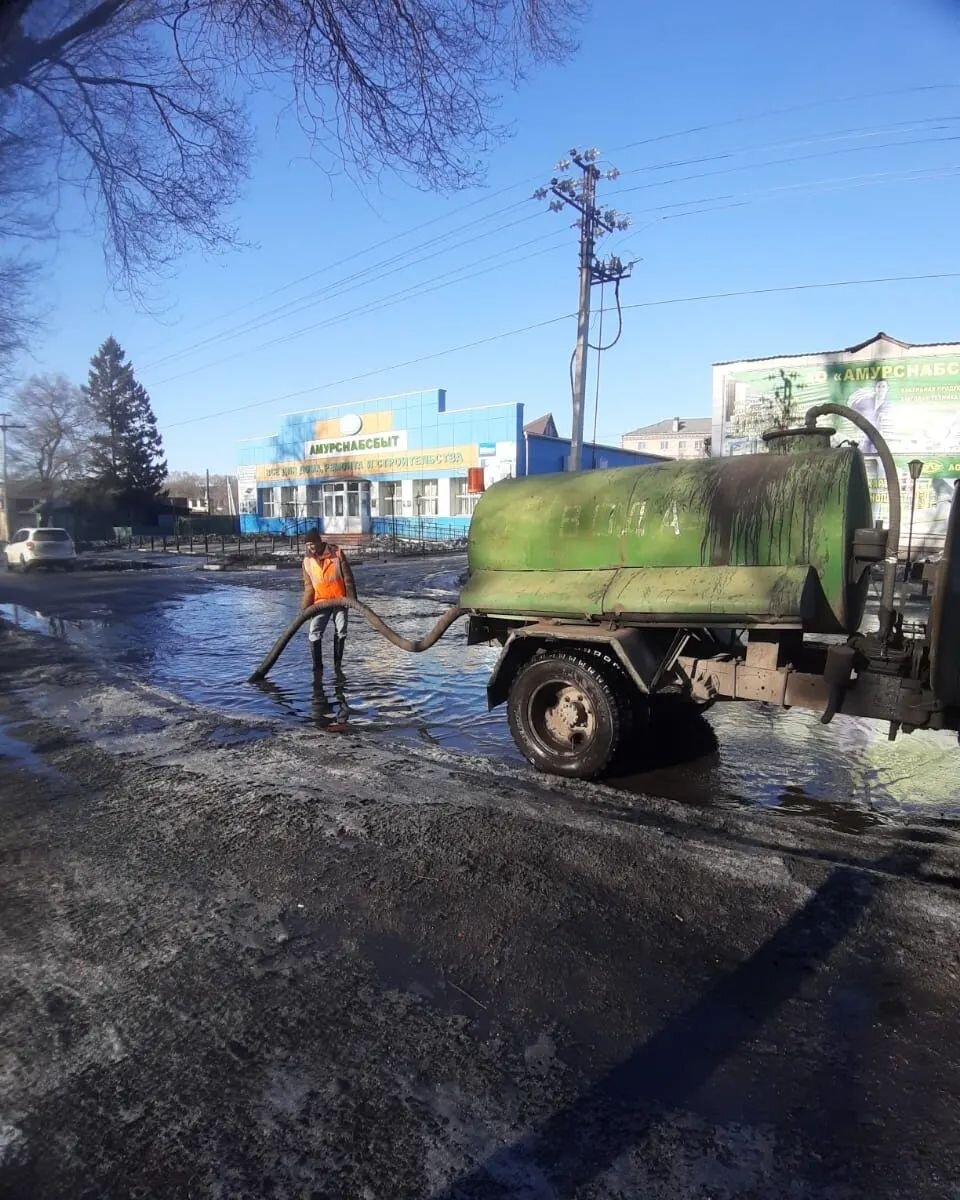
346, 507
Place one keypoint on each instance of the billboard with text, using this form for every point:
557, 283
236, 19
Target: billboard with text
914, 400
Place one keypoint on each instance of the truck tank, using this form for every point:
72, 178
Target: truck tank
762, 540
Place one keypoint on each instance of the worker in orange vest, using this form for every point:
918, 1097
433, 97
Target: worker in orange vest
326, 576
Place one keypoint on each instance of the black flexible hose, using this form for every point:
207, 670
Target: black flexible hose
430, 639
888, 591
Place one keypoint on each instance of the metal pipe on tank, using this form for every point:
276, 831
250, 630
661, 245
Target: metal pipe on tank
888, 591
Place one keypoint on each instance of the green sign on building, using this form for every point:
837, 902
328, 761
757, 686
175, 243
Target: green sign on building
912, 398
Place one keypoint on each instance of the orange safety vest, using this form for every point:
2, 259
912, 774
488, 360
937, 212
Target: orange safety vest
325, 575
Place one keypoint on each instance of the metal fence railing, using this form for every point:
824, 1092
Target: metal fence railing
389, 535
255, 546
189, 541
419, 535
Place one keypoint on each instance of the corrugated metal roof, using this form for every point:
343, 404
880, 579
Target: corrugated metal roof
877, 337
689, 426
545, 437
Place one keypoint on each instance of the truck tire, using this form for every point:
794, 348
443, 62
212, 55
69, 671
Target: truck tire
568, 712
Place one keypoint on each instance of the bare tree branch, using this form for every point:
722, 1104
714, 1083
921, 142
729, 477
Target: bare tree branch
52, 446
25, 54
140, 104
17, 320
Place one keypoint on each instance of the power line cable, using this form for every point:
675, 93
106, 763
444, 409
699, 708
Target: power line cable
347, 284
424, 287
369, 374
332, 266
383, 302
694, 212
600, 348
860, 131
496, 337
616, 295
793, 287
816, 186
350, 282
792, 108
415, 290
420, 288
776, 162
811, 187
733, 196
743, 119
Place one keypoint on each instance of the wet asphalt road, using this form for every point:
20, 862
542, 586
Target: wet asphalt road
242, 963
244, 960
198, 635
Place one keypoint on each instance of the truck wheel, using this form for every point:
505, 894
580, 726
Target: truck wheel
567, 713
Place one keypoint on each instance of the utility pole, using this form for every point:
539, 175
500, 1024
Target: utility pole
587, 242
5, 425
581, 194
208, 491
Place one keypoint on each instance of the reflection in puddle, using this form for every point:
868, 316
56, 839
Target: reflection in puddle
37, 622
719, 759
329, 707
20, 755
842, 817
202, 645
849, 777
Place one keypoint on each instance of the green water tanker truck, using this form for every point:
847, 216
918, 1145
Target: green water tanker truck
742, 578
716, 579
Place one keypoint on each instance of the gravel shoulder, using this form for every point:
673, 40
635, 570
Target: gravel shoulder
245, 960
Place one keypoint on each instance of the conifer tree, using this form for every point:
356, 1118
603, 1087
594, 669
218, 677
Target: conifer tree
126, 450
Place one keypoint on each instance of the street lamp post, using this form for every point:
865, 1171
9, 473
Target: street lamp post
288, 510
914, 466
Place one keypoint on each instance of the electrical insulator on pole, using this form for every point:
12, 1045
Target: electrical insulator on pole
581, 194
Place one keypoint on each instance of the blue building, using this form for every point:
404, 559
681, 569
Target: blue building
362, 468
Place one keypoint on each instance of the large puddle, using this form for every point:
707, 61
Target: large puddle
204, 644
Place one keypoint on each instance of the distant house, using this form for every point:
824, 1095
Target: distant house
544, 426
25, 498
546, 451
676, 437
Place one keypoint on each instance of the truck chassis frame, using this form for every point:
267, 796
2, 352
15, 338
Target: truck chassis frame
776, 666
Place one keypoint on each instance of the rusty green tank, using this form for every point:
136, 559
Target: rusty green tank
758, 540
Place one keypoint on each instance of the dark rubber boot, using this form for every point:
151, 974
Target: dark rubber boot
338, 645
316, 654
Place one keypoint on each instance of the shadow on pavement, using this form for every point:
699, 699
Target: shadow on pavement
584, 1139
676, 735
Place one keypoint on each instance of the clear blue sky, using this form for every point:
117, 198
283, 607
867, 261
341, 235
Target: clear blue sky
853, 206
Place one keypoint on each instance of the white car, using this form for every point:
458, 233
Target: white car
40, 547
